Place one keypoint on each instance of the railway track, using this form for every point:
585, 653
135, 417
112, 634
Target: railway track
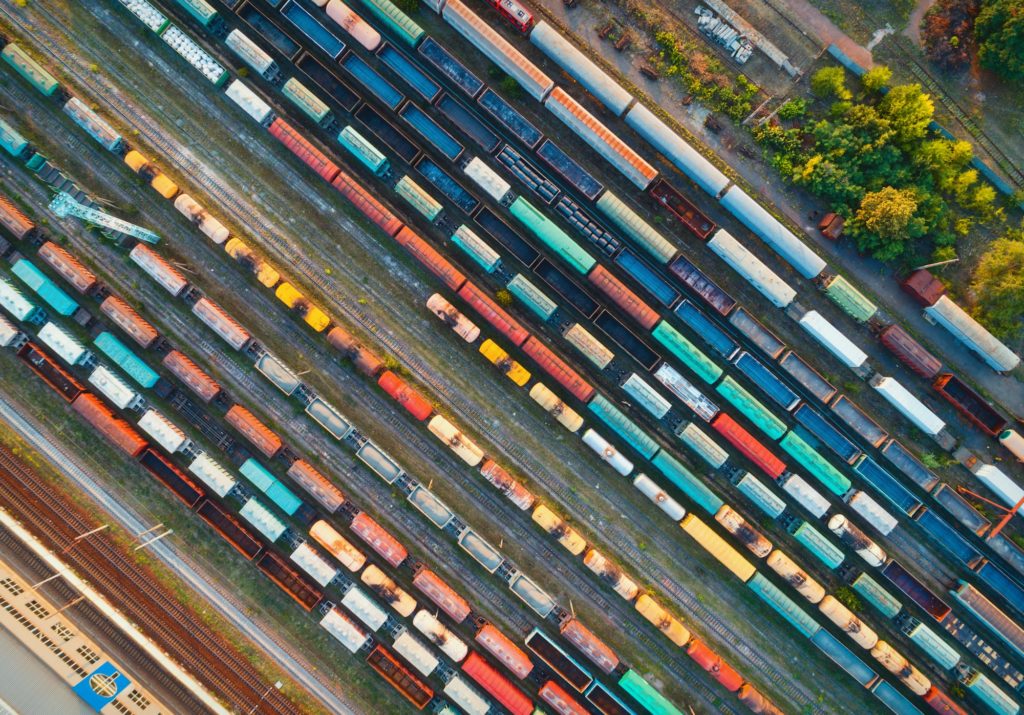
135, 591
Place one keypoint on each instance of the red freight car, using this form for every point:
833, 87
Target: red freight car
942, 703
363, 200
746, 443
291, 581
387, 547
494, 314
300, 147
59, 379
398, 390
400, 677
924, 287
70, 269
261, 436
506, 484
118, 432
233, 532
969, 403
504, 650
710, 661
683, 210
430, 259
910, 352
497, 685
189, 373
559, 700
125, 317
364, 361
589, 645
443, 595
915, 590
317, 485
14, 220
623, 297
558, 369
514, 13
172, 477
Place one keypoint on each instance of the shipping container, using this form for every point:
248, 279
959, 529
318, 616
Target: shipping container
745, 442
559, 50
261, 436
191, 375
852, 302
832, 339
30, 70
363, 150
494, 683
253, 55
970, 404
439, 634
907, 404
887, 485
93, 125
304, 150
415, 653
686, 352
59, 301
910, 352
760, 494
117, 391
994, 618
467, 699
429, 258
558, 369
124, 316
751, 408
560, 701
70, 269
607, 452
708, 329
116, 431
766, 380
167, 276
221, 323
626, 299
201, 219
125, 359
925, 288
163, 432
623, 426
988, 693
316, 485
11, 141
249, 102
643, 693
968, 331
717, 547
386, 546
504, 650
915, 590
855, 418
395, 20
532, 297
16, 222
752, 269
795, 577
844, 658
552, 236
686, 391
699, 441
755, 217
584, 640
687, 482
64, 345
783, 605
344, 629
871, 511
553, 405
805, 495
815, 423
196, 56
807, 376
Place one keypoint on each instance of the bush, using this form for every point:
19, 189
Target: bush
511, 88
503, 297
793, 109
849, 598
830, 83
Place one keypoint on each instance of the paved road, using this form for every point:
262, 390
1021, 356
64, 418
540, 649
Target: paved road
169, 556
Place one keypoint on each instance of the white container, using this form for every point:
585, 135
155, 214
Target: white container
158, 269
198, 216
856, 539
439, 634
63, 344
686, 391
461, 693
212, 474
9, 334
659, 496
872, 512
487, 179
108, 384
832, 339
807, 496
164, 432
795, 576
968, 331
337, 545
416, 653
607, 452
648, 398
754, 216
14, 301
363, 608
263, 519
1006, 489
252, 54
249, 102
221, 323
700, 442
344, 629
554, 406
756, 273
1013, 441
318, 568
847, 622
907, 405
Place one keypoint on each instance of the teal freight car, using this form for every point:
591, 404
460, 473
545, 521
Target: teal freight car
363, 149
125, 359
552, 236
626, 428
532, 297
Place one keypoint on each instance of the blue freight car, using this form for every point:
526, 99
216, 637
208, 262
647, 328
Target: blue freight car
325, 80
1000, 583
901, 458
506, 236
701, 324
766, 381
509, 118
447, 185
567, 167
887, 485
311, 28
627, 340
952, 542
387, 133
690, 485
450, 67
534, 179
467, 123
431, 131
659, 289
409, 72
372, 81
844, 658
826, 434
269, 31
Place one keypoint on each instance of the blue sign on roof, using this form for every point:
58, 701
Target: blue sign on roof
101, 686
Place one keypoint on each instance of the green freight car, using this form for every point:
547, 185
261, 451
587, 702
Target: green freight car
630, 223
687, 353
532, 297
552, 236
11, 141
424, 203
763, 498
362, 149
819, 545
751, 408
623, 426
854, 303
203, 13
125, 359
476, 248
783, 605
650, 699
30, 70
396, 21
872, 592
683, 478
819, 467
306, 100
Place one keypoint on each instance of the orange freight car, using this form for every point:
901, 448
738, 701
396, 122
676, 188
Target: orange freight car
189, 373
398, 390
400, 677
497, 685
261, 436
710, 661
558, 369
117, 431
70, 269
363, 200
589, 644
302, 148
630, 302
434, 588
494, 314
387, 547
430, 258
364, 361
125, 317
317, 485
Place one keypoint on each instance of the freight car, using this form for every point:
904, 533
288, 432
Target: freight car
15, 221
970, 404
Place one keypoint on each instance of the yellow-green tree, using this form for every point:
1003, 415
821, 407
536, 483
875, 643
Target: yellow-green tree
998, 285
886, 222
909, 110
830, 82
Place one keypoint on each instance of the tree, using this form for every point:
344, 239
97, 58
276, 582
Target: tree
408, 6
998, 285
999, 32
909, 110
830, 83
886, 221
947, 31
876, 78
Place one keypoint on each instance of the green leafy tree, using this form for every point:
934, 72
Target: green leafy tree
793, 109
876, 78
886, 221
408, 6
830, 83
909, 110
998, 285
999, 32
